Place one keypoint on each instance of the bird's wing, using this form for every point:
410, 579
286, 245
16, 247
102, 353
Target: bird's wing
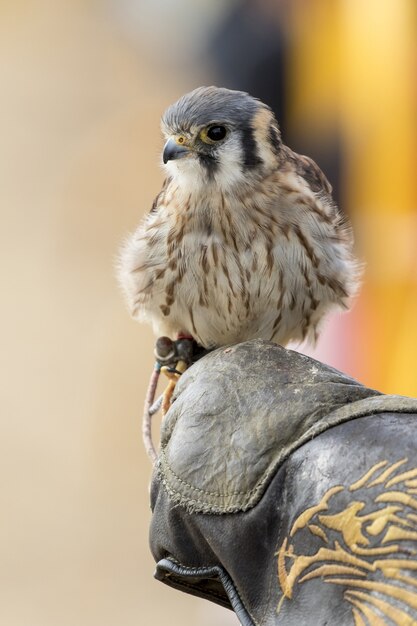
140, 264
156, 202
310, 172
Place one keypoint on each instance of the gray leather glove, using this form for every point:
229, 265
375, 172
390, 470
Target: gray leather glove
287, 492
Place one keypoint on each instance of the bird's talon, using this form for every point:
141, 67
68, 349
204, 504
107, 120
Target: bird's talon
170, 372
167, 396
173, 373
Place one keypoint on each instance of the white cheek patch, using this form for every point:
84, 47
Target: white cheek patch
187, 172
191, 174
229, 172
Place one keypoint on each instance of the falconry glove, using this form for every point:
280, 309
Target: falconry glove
287, 492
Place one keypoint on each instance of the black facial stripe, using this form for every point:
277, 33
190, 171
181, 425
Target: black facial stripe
210, 164
274, 139
251, 156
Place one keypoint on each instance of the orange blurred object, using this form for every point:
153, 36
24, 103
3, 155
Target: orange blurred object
354, 69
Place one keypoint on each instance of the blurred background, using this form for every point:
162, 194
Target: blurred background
83, 85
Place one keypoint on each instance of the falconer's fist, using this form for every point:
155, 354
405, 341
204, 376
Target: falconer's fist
244, 240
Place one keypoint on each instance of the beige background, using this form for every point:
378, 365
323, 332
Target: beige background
79, 137
83, 84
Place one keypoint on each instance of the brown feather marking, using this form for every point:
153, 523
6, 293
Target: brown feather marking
320, 214
307, 246
313, 302
247, 304
285, 229
267, 214
274, 138
170, 250
203, 299
214, 253
171, 235
276, 323
322, 280
226, 273
334, 284
281, 288
169, 291
187, 204
287, 188
190, 310
180, 234
223, 231
311, 173
230, 235
337, 287
231, 231
165, 309
269, 260
233, 238
203, 260
306, 325
304, 272
156, 237
156, 276
156, 202
181, 271
241, 275
269, 253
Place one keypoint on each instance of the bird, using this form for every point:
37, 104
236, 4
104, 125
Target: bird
244, 240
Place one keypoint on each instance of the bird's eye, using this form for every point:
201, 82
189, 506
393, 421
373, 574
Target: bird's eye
216, 133
213, 133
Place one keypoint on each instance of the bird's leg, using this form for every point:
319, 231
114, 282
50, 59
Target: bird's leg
174, 358
173, 375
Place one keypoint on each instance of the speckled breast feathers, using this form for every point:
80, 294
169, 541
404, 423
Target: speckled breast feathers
244, 240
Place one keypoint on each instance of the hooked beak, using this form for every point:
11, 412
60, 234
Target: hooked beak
173, 150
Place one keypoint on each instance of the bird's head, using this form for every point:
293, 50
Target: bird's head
219, 136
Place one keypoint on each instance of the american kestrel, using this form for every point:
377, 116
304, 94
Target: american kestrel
244, 240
